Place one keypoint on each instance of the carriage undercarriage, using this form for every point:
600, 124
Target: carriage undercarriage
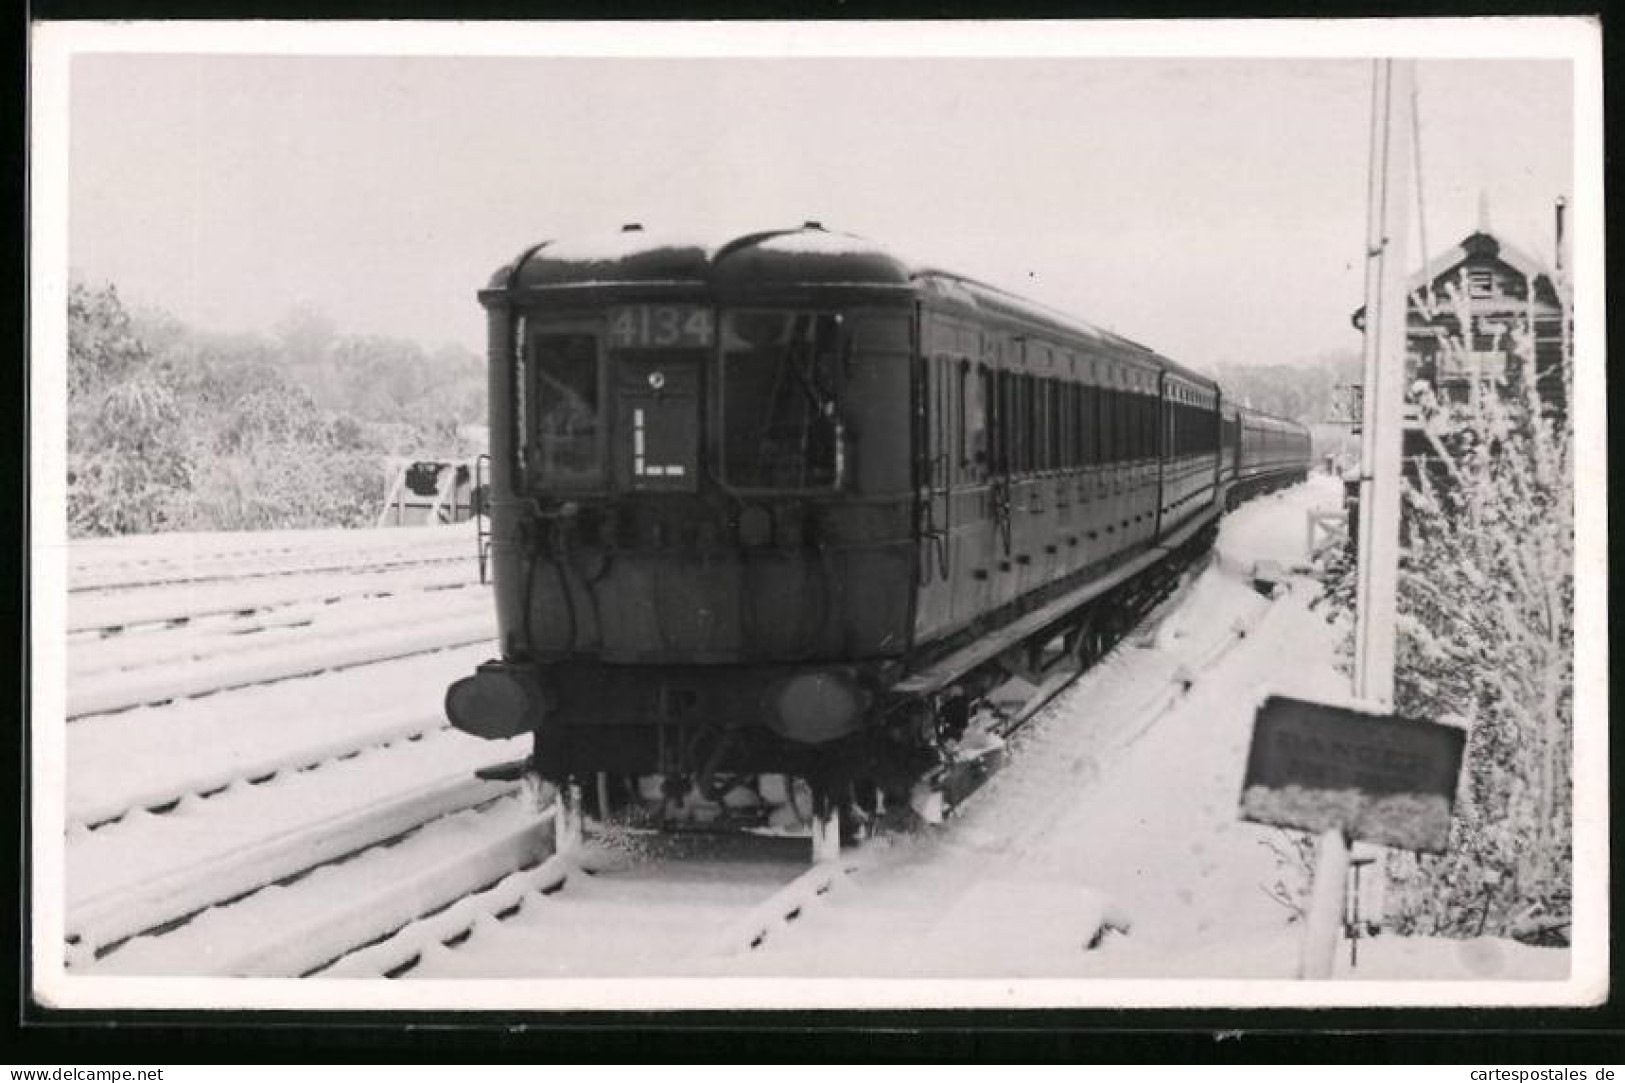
919, 756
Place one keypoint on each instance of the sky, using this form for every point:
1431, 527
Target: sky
1213, 209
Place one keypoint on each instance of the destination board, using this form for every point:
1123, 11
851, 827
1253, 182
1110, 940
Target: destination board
1382, 778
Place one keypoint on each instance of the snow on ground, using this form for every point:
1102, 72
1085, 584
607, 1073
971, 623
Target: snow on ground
117, 760
91, 611
292, 624
297, 926
1118, 809
646, 918
199, 829
1099, 820
136, 557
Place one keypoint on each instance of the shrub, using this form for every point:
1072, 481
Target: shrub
1485, 639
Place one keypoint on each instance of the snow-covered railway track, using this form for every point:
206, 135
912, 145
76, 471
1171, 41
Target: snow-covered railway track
191, 559
413, 888
164, 793
190, 574
646, 906
108, 692
100, 923
133, 610
483, 894
213, 642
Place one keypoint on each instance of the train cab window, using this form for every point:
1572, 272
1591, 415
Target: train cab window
780, 418
566, 447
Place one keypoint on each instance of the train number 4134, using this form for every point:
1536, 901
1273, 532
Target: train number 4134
644, 327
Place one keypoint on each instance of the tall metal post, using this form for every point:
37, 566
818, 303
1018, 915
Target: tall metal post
1382, 431
1383, 424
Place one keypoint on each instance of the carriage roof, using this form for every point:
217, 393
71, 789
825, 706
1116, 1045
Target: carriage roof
805, 256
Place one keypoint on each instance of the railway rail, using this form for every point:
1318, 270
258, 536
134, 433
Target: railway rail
101, 922
104, 614
118, 691
98, 565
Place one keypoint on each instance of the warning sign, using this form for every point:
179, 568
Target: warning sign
1382, 778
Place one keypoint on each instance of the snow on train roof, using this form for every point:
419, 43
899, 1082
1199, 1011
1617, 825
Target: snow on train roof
635, 240
634, 253
613, 247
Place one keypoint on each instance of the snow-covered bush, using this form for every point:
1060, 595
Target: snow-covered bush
173, 429
1485, 640
126, 448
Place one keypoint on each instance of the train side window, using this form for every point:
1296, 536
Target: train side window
1041, 426
1150, 425
1022, 426
1058, 431
1041, 407
941, 459
1035, 424
567, 446
962, 446
1120, 428
1102, 426
1002, 422
1108, 424
1092, 412
922, 419
1125, 426
1027, 441
982, 417
1068, 425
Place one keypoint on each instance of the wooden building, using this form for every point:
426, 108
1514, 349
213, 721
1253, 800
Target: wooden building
1467, 307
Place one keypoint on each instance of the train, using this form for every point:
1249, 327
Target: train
771, 519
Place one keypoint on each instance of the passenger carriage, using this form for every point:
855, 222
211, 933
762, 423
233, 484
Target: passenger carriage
790, 505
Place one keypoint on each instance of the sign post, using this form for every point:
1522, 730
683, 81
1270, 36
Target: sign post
1325, 916
1344, 774
1381, 428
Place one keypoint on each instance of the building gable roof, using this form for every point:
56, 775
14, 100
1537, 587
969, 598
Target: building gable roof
1478, 244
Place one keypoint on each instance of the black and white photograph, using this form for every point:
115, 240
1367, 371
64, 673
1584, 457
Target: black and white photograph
571, 516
